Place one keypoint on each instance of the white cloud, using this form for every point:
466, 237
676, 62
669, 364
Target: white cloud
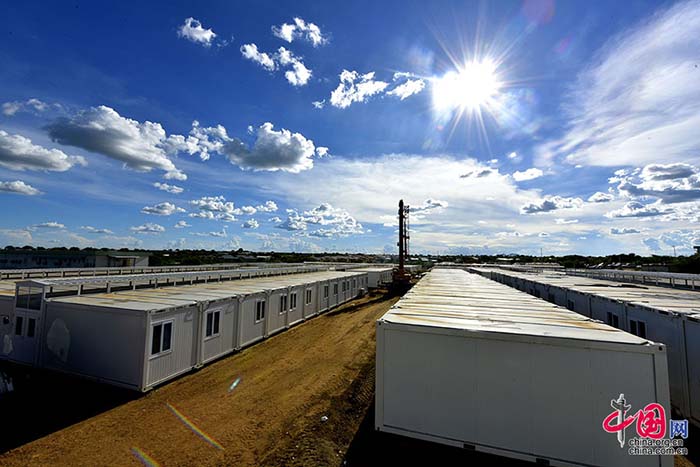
245, 210
140, 146
193, 30
529, 174
95, 230
182, 225
268, 206
11, 108
174, 189
319, 104
273, 150
682, 239
355, 87
298, 75
624, 231
333, 222
407, 89
18, 187
561, 221
162, 209
221, 234
669, 183
48, 225
250, 224
214, 208
551, 203
637, 209
600, 197
639, 99
148, 228
19, 153
251, 52
513, 156
276, 219
300, 29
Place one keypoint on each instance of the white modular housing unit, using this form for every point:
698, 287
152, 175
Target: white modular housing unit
143, 337
377, 276
468, 362
658, 313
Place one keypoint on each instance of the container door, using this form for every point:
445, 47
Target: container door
25, 337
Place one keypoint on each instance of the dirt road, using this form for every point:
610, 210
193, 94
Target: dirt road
285, 385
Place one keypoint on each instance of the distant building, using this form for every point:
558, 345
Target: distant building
38, 259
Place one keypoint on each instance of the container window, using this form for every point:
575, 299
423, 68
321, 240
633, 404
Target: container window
283, 304
22, 300
167, 334
259, 310
293, 301
212, 327
335, 289
35, 299
308, 297
325, 291
156, 338
31, 327
161, 337
642, 328
19, 322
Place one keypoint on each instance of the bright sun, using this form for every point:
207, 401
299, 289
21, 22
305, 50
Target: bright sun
471, 87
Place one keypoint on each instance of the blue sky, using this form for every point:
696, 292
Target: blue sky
509, 127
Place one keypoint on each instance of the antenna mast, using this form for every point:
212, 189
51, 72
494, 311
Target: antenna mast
403, 235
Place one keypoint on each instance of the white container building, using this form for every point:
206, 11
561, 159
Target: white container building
377, 276
142, 337
471, 363
657, 313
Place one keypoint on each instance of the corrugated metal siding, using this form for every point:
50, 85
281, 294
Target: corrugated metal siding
224, 342
250, 330
277, 317
692, 342
297, 314
96, 343
182, 357
311, 309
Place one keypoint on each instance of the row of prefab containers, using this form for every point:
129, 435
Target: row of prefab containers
670, 316
141, 338
469, 362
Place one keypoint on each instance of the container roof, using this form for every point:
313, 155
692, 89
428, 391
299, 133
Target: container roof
375, 269
457, 299
660, 298
163, 298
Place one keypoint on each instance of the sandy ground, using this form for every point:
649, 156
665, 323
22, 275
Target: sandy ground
286, 383
274, 416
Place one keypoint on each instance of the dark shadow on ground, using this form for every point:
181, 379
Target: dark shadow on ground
44, 402
373, 448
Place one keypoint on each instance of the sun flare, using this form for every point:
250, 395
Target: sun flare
469, 88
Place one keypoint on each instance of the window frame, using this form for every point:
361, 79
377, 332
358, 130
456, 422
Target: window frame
215, 324
260, 310
19, 320
161, 338
293, 302
284, 301
326, 291
335, 289
309, 296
